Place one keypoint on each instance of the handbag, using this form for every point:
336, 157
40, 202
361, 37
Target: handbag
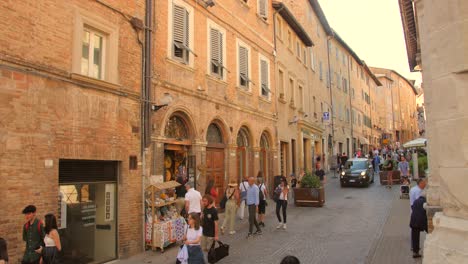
222, 203
215, 254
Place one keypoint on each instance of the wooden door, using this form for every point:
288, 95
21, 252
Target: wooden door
215, 169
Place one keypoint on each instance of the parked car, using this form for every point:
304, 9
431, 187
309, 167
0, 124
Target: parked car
357, 171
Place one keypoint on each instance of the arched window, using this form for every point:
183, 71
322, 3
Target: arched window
214, 134
243, 138
176, 128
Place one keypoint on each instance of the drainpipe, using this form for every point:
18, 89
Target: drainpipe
350, 109
276, 88
331, 98
145, 106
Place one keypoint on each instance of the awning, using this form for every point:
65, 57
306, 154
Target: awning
364, 141
419, 142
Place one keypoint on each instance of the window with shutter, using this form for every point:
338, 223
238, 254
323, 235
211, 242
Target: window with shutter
244, 67
216, 50
181, 38
262, 9
264, 78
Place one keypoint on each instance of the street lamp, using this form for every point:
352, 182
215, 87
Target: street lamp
166, 100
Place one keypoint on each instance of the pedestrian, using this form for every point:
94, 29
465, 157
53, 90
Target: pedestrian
388, 167
416, 191
252, 202
180, 192
418, 223
3, 251
193, 239
263, 195
243, 195
376, 163
51, 240
290, 260
209, 223
211, 190
232, 195
193, 200
343, 159
282, 203
33, 235
403, 167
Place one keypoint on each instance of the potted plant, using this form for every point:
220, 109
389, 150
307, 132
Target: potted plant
310, 192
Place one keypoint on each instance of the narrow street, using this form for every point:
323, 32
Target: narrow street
354, 226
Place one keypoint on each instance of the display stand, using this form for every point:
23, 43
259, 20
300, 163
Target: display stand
164, 226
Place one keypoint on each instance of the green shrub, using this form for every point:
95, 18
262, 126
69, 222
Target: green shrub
310, 181
422, 165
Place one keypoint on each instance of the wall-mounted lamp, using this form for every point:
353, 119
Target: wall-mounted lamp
209, 3
165, 101
294, 120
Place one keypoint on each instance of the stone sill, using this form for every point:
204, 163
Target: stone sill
244, 4
244, 91
264, 99
94, 81
216, 79
264, 20
180, 64
451, 223
281, 100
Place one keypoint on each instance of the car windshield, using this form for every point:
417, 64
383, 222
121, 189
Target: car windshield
355, 165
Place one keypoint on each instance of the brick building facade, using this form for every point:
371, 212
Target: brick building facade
69, 120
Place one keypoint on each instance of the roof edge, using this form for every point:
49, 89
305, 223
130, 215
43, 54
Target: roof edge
283, 10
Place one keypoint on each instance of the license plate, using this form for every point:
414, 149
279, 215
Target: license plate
351, 180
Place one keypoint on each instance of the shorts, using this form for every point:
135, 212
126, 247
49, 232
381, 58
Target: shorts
262, 207
206, 243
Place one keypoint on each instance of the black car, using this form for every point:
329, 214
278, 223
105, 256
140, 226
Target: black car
357, 171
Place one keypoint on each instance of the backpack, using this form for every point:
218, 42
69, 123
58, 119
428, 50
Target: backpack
244, 193
261, 195
276, 194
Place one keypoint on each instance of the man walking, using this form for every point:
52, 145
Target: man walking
33, 235
243, 194
415, 192
403, 167
418, 223
252, 201
193, 200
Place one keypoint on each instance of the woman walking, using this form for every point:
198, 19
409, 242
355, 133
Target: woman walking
232, 203
193, 240
282, 202
51, 240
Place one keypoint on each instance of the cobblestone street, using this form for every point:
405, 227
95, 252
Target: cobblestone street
354, 226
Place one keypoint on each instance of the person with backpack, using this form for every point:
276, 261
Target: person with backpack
33, 235
281, 198
262, 195
232, 202
243, 196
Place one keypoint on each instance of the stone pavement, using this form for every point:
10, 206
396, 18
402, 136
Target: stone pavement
356, 225
394, 245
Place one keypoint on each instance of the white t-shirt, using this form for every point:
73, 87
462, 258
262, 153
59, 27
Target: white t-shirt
194, 198
193, 234
243, 186
262, 188
282, 196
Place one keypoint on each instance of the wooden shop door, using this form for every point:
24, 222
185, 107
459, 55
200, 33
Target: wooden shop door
215, 169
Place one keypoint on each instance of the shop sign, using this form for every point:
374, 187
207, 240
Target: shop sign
88, 214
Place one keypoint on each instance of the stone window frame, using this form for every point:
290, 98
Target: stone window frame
85, 19
265, 59
240, 43
170, 32
210, 24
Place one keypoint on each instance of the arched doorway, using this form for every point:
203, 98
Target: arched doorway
264, 157
176, 147
243, 144
215, 158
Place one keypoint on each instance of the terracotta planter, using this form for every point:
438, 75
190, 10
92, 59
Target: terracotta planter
309, 197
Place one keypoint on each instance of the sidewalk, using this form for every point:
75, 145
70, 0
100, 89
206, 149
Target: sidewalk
394, 244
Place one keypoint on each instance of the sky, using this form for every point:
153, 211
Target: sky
373, 29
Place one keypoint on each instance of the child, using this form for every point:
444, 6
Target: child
209, 222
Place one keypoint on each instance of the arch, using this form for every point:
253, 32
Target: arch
181, 112
221, 125
214, 135
265, 155
244, 154
243, 138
